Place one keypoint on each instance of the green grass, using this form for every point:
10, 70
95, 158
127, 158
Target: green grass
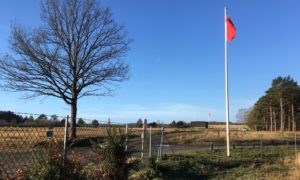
243, 164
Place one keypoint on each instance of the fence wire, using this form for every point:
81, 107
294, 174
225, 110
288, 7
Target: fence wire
23, 146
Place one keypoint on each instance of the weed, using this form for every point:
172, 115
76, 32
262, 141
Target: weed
111, 157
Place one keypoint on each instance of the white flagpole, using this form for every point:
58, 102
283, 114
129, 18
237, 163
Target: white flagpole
226, 88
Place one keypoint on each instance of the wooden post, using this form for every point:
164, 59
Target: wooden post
211, 146
218, 139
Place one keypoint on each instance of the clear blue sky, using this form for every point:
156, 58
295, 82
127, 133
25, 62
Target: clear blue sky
177, 58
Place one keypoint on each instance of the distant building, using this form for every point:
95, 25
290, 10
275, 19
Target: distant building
203, 124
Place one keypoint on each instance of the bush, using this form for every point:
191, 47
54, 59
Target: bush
55, 167
112, 156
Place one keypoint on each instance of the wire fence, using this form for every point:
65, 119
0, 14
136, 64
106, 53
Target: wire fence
23, 145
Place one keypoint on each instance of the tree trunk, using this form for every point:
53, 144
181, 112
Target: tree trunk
289, 123
275, 124
281, 115
271, 124
289, 119
266, 123
73, 118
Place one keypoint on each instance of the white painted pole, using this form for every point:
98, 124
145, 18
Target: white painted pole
226, 87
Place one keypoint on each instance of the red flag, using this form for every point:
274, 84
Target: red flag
231, 31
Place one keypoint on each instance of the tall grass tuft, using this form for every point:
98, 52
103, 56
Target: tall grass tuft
294, 172
110, 163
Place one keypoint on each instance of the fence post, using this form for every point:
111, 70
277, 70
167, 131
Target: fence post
143, 137
126, 132
261, 145
161, 142
158, 153
211, 147
218, 136
65, 139
150, 143
218, 144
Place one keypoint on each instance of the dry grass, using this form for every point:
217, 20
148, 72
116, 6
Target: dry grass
294, 172
11, 137
16, 138
208, 136
29, 137
223, 126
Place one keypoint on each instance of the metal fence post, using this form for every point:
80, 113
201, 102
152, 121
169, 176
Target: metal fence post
65, 139
161, 142
126, 132
150, 143
157, 157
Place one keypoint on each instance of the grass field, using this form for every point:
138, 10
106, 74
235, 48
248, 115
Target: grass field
22, 146
29, 137
243, 164
204, 136
294, 167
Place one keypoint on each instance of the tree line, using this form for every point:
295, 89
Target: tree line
277, 109
173, 124
8, 118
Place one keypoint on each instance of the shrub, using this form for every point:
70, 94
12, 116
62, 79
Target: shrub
112, 156
56, 167
146, 170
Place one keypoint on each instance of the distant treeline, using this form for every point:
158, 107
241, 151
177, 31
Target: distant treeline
8, 118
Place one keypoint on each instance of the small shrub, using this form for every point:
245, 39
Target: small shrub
144, 174
112, 157
21, 175
55, 167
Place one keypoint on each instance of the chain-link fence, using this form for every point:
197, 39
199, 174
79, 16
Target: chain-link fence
23, 146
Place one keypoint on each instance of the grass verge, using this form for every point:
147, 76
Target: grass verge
243, 164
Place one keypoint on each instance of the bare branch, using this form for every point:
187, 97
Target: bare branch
76, 53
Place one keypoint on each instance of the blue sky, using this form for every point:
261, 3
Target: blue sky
177, 58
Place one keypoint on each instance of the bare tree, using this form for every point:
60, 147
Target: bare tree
242, 114
76, 53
